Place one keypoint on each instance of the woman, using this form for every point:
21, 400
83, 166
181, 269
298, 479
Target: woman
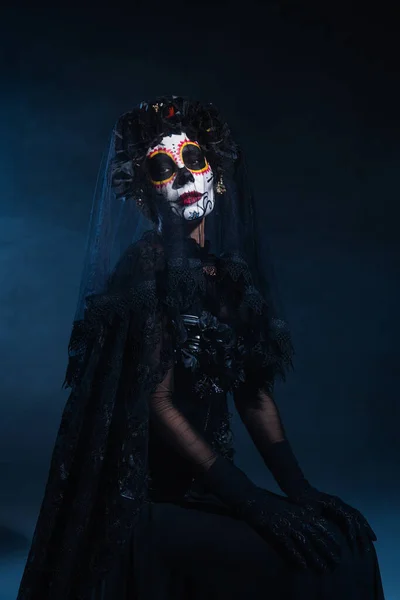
143, 498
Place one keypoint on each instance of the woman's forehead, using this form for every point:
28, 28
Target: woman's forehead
172, 142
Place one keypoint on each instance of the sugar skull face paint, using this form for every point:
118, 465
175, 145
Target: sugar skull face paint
180, 173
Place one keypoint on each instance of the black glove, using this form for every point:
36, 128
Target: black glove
285, 468
349, 519
302, 536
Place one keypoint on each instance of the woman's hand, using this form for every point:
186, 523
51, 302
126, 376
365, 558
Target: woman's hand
302, 536
349, 519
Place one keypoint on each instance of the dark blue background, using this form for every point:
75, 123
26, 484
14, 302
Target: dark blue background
313, 95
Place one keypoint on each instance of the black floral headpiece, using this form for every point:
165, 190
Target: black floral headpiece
143, 127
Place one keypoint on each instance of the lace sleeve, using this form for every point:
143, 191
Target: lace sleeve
261, 417
176, 429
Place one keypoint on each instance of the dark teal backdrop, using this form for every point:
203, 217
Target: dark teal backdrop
313, 96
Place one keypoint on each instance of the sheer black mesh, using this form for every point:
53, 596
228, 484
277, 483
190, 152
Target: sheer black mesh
261, 417
175, 428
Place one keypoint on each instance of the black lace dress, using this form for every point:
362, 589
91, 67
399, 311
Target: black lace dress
125, 515
188, 544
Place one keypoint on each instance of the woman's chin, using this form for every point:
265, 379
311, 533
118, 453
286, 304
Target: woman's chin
195, 213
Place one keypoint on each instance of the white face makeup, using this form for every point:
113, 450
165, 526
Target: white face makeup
180, 173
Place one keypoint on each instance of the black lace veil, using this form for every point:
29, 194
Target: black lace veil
125, 206
141, 271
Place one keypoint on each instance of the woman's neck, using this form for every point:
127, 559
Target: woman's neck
196, 232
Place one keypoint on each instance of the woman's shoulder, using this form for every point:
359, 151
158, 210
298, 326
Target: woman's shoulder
142, 259
148, 245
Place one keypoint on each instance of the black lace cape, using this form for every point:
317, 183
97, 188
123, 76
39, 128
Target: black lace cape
119, 352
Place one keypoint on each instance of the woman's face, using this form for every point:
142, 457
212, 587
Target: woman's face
180, 173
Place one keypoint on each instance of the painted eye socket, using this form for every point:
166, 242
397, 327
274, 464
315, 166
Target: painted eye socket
193, 157
161, 167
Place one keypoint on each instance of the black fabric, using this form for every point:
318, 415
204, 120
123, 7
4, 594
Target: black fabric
301, 536
120, 351
184, 553
281, 461
98, 474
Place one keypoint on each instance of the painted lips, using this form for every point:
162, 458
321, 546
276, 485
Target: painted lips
189, 198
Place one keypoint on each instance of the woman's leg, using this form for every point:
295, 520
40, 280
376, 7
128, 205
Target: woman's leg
183, 552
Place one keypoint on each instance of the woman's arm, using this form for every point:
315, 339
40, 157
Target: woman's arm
261, 418
260, 415
269, 515
176, 429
